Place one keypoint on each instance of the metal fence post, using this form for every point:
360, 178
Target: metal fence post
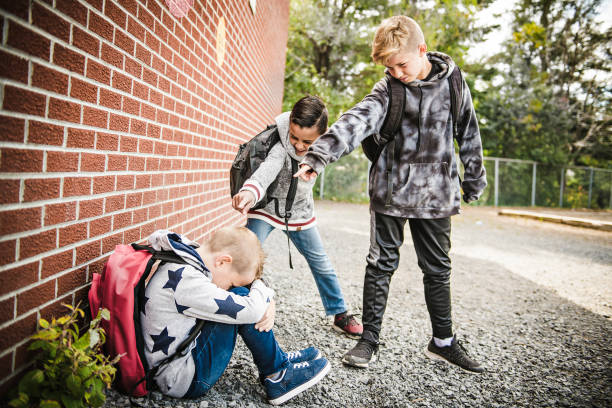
590, 187
561, 187
496, 194
322, 184
533, 184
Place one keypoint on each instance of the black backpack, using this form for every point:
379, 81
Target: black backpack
248, 159
373, 145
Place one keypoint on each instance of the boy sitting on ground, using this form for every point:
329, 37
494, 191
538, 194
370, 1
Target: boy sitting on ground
213, 287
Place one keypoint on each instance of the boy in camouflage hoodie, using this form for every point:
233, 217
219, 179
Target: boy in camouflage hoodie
423, 187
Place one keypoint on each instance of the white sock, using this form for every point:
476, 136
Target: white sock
443, 342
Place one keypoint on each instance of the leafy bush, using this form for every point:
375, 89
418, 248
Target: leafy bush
70, 370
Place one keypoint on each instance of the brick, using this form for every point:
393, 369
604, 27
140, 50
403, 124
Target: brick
99, 226
41, 189
8, 252
20, 160
95, 117
49, 79
138, 127
45, 133
148, 112
103, 184
18, 8
59, 213
91, 162
16, 278
153, 130
28, 41
13, 67
72, 233
107, 141
98, 72
130, 5
11, 129
87, 252
101, 26
85, 41
132, 235
122, 82
35, 244
69, 59
124, 42
117, 162
115, 14
72, 280
109, 243
77, 186
131, 106
143, 54
119, 123
136, 29
81, 138
13, 221
24, 101
57, 263
50, 22
133, 67
112, 56
125, 182
149, 77
95, 3
64, 110
136, 164
35, 297
134, 200
91, 208
62, 162
114, 203
73, 9
7, 312
141, 91
10, 191
83, 90
110, 99
15, 332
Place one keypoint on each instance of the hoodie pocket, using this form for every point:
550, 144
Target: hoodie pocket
427, 185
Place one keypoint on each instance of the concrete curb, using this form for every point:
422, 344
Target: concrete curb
578, 222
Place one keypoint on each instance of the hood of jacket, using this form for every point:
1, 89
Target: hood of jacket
282, 123
446, 64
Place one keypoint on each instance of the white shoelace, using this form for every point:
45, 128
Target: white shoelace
293, 354
301, 365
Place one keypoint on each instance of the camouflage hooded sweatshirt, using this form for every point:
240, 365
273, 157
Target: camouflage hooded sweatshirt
425, 180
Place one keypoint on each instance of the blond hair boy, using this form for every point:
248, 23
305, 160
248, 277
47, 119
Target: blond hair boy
415, 179
221, 284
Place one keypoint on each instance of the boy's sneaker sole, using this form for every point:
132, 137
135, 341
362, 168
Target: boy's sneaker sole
350, 336
435, 356
297, 390
350, 362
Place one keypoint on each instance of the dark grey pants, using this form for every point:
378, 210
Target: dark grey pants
431, 238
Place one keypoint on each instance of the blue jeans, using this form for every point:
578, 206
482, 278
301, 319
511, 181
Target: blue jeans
215, 345
308, 242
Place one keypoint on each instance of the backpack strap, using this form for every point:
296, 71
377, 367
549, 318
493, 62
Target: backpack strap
289, 204
395, 110
455, 85
139, 291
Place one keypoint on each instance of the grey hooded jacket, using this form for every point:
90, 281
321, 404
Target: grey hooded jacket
278, 166
425, 179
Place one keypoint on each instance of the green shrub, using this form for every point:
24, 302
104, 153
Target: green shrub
70, 370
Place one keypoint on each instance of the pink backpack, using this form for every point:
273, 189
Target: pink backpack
120, 288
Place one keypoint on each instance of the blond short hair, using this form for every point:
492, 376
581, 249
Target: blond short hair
396, 34
242, 245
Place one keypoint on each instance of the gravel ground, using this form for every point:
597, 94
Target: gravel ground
531, 300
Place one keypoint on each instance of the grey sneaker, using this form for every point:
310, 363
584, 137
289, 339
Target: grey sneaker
364, 353
454, 354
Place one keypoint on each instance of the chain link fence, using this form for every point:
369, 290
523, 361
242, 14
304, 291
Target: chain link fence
511, 182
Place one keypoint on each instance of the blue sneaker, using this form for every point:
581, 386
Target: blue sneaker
307, 354
295, 379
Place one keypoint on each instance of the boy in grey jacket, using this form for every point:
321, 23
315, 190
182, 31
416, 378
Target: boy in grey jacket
297, 130
422, 188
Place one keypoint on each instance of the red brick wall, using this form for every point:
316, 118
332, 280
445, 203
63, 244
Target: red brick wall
117, 120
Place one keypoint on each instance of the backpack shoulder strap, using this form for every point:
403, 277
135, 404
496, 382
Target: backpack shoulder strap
455, 82
395, 110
